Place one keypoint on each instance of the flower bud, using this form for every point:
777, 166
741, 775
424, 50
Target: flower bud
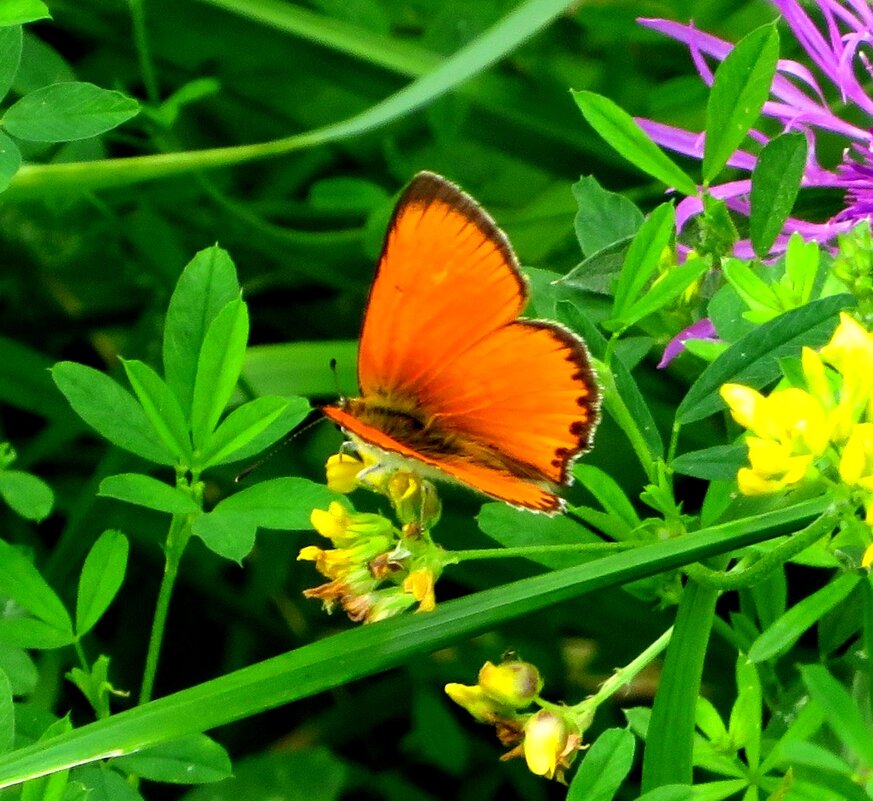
550, 744
514, 683
480, 705
414, 499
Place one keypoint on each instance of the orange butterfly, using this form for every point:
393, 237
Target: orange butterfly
450, 378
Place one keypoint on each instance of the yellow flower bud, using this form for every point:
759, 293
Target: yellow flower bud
514, 683
415, 500
550, 744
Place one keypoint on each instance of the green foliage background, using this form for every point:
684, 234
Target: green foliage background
90, 255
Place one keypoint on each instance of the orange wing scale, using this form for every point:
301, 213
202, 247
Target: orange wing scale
501, 404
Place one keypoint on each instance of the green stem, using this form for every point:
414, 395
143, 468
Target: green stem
619, 410
674, 442
180, 531
619, 679
795, 544
140, 39
80, 652
518, 25
455, 557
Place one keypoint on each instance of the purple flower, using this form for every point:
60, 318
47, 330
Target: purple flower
798, 103
702, 329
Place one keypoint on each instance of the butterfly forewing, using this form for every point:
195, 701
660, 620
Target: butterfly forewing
446, 278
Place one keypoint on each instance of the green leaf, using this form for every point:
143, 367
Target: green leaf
282, 503
775, 185
146, 491
754, 359
708, 720
643, 257
19, 669
104, 784
814, 756
101, 578
65, 112
28, 632
195, 759
10, 158
7, 714
802, 260
756, 293
598, 272
218, 368
841, 711
207, 284
10, 55
513, 528
788, 629
27, 494
623, 133
18, 12
161, 407
670, 792
720, 462
23, 583
667, 758
95, 684
355, 653
608, 493
314, 775
49, 788
625, 384
670, 286
740, 87
604, 217
239, 434
605, 766
745, 722
110, 410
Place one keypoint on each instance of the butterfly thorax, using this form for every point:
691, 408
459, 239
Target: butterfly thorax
404, 421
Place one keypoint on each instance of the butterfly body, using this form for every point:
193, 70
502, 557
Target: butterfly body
452, 382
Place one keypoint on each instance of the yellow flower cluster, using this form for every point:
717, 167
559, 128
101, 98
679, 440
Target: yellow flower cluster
376, 570
548, 738
822, 431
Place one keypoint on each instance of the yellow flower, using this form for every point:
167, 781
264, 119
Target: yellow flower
791, 416
342, 471
856, 461
772, 467
550, 744
420, 585
514, 683
850, 348
345, 528
867, 558
477, 702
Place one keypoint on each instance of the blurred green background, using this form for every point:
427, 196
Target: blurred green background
86, 276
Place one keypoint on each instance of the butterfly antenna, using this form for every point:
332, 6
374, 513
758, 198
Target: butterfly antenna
336, 383
276, 448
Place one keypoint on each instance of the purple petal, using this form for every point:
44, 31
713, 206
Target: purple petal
702, 329
688, 143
